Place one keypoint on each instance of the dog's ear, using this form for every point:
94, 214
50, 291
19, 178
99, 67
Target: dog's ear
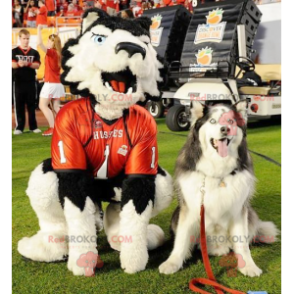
144, 22
197, 111
241, 107
90, 16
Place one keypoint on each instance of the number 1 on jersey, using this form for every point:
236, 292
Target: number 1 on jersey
102, 172
153, 157
61, 151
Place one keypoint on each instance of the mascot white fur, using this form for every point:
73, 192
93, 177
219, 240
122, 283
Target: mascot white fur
103, 149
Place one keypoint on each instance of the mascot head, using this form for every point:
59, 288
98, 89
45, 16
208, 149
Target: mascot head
112, 61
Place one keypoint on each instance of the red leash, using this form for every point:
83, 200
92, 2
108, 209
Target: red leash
211, 279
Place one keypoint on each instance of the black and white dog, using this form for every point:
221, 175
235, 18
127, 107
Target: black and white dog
111, 56
215, 157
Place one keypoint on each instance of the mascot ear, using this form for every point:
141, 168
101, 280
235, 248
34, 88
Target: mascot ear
197, 111
90, 16
144, 22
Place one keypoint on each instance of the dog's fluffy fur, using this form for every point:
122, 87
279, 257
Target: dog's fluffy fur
227, 206
68, 203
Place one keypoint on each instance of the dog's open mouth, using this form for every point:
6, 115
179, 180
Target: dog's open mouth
221, 146
122, 81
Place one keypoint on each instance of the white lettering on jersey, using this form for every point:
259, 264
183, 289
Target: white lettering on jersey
29, 59
108, 135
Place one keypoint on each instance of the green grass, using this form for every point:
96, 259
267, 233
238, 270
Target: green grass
33, 277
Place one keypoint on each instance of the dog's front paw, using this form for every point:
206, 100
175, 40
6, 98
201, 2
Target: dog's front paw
133, 261
251, 270
170, 266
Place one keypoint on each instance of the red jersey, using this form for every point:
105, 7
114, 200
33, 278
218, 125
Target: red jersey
83, 141
42, 16
52, 68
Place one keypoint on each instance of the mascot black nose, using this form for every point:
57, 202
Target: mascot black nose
131, 48
224, 130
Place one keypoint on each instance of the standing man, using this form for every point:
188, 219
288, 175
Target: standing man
25, 61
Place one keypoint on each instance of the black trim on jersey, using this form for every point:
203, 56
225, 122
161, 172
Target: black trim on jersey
125, 113
72, 171
109, 122
140, 176
92, 122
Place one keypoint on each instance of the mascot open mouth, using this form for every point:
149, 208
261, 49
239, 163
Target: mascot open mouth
221, 146
121, 82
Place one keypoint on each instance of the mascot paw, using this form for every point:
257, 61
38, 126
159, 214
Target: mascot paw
155, 236
169, 267
38, 248
133, 261
251, 270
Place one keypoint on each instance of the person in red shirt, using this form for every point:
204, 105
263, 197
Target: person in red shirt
31, 11
52, 89
71, 11
50, 5
42, 13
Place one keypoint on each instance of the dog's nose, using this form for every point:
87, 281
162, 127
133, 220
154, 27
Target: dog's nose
224, 130
131, 48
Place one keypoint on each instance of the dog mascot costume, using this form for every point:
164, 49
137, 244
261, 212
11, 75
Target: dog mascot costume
103, 148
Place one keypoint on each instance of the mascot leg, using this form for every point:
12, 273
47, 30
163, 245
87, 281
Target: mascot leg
81, 231
142, 198
49, 243
111, 222
81, 217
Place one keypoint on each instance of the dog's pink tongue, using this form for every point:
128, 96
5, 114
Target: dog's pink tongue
222, 148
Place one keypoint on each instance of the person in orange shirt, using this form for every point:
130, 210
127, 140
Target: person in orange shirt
52, 89
42, 13
50, 5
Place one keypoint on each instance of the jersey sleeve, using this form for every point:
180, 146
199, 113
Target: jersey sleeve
51, 53
143, 159
14, 58
42, 10
37, 57
67, 151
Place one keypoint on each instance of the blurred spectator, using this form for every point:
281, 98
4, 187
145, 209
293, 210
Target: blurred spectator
63, 4
18, 13
127, 13
71, 11
42, 13
124, 4
12, 17
100, 4
61, 12
31, 11
77, 7
50, 5
112, 7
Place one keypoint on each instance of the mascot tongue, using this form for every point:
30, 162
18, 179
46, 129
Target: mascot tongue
118, 86
222, 148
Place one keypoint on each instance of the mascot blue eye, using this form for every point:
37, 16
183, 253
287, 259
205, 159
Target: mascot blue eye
98, 39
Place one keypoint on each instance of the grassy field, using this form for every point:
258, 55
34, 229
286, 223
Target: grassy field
32, 277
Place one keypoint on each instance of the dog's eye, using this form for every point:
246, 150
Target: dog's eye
212, 121
230, 121
98, 39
